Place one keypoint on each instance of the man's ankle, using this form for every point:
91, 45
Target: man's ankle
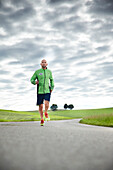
46, 113
42, 118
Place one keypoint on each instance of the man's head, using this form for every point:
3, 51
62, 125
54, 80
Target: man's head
43, 63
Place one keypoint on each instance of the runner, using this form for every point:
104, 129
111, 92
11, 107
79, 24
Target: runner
44, 91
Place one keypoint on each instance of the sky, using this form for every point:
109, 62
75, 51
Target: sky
76, 39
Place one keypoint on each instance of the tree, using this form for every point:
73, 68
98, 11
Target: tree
54, 107
71, 106
65, 106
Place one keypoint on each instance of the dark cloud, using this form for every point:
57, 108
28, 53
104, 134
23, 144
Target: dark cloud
4, 9
100, 28
107, 71
104, 7
26, 52
75, 27
111, 81
20, 3
21, 92
56, 14
18, 12
19, 75
10, 6
85, 63
103, 48
85, 55
21, 87
14, 63
4, 72
10, 51
22, 14
6, 81
70, 23
4, 23
72, 89
59, 1
106, 64
103, 29
32, 68
7, 87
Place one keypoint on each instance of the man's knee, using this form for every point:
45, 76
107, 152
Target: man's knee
46, 103
41, 106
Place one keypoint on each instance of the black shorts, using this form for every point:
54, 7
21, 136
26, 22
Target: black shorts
42, 97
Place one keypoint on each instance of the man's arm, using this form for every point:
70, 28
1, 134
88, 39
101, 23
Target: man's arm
33, 78
51, 81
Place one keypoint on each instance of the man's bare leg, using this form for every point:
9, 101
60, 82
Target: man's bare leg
41, 110
46, 105
47, 118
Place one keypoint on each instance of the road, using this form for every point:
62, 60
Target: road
59, 145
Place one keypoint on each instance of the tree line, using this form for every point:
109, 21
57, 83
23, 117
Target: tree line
55, 107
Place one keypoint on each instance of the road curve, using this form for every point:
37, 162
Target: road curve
59, 145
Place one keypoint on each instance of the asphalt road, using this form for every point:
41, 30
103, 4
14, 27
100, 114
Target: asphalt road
59, 145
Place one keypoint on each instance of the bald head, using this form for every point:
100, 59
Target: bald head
43, 63
43, 60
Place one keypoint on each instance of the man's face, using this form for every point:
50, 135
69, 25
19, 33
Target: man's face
43, 63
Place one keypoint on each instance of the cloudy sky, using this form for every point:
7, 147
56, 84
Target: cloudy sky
75, 37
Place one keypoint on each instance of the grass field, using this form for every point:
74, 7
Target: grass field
100, 120
103, 117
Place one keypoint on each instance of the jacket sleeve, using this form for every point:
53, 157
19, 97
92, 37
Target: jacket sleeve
33, 78
51, 81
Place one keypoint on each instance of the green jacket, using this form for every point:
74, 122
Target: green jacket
43, 76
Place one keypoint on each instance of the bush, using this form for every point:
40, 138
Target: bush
54, 107
71, 106
65, 106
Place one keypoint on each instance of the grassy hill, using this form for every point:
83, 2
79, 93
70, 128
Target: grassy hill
103, 117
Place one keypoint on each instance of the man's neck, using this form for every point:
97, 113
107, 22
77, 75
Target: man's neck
44, 68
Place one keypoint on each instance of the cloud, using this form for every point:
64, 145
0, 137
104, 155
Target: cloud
19, 75
3, 72
7, 81
75, 37
14, 63
13, 18
101, 7
58, 1
22, 14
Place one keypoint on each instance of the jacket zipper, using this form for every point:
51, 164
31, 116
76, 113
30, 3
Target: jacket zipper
44, 81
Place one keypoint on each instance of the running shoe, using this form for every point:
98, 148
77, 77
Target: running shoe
42, 122
47, 118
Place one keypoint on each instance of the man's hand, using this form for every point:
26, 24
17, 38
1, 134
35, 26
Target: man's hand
37, 82
51, 91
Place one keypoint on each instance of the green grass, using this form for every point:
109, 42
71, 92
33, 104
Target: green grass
100, 120
102, 117
17, 116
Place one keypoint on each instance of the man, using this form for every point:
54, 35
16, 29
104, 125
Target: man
44, 91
